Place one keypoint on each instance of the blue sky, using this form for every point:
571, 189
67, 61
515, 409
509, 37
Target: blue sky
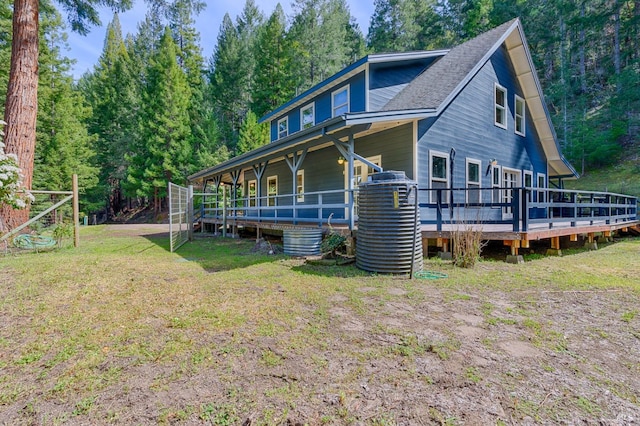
87, 49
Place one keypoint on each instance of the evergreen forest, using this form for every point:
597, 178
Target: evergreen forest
154, 110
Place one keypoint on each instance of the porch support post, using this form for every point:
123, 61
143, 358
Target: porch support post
190, 214
294, 162
258, 170
224, 210
217, 180
347, 151
352, 210
235, 176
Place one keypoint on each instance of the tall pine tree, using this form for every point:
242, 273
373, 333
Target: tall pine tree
166, 152
273, 83
112, 91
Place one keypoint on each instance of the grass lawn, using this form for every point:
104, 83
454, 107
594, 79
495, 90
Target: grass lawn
121, 331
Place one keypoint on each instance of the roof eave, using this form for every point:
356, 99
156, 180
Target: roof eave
382, 116
273, 147
340, 76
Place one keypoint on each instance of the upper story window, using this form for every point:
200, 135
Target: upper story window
283, 127
340, 101
519, 116
500, 99
307, 117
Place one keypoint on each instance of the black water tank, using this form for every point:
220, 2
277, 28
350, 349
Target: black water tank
389, 239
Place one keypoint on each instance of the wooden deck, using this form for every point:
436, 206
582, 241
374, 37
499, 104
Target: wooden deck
491, 232
535, 231
558, 213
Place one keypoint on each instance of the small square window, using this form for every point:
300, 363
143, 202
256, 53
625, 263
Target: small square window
283, 128
500, 99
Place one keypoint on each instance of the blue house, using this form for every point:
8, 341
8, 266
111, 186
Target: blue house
469, 125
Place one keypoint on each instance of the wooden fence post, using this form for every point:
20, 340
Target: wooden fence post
76, 212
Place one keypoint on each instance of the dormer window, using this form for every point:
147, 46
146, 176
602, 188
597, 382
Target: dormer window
283, 127
340, 101
519, 116
307, 117
500, 98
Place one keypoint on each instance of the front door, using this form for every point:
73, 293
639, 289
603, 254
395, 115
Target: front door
510, 179
361, 173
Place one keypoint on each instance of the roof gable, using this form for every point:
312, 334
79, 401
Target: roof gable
348, 72
434, 86
439, 84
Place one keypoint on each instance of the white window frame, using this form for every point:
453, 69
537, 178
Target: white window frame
272, 196
497, 106
529, 174
518, 118
252, 198
307, 107
334, 107
300, 186
478, 182
496, 193
542, 195
432, 194
286, 130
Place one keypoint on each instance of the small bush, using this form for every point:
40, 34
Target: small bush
467, 245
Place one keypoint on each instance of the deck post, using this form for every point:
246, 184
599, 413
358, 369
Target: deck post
224, 211
515, 208
76, 211
525, 209
591, 243
555, 247
190, 211
574, 208
438, 210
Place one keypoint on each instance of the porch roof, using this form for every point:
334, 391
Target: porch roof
323, 133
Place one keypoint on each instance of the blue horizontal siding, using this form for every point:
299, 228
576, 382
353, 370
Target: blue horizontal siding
467, 125
322, 104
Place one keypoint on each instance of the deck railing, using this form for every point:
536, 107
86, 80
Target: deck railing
520, 209
525, 208
312, 208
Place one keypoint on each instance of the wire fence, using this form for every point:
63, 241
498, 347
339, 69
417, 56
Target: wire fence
178, 215
50, 224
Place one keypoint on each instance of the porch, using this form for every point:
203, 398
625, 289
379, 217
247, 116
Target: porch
509, 214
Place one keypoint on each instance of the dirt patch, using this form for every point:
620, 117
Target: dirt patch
148, 340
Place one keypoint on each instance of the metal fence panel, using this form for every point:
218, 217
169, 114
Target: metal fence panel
178, 215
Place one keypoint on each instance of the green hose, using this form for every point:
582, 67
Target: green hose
31, 242
429, 275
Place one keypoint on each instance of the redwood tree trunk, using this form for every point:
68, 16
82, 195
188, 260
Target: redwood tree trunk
21, 106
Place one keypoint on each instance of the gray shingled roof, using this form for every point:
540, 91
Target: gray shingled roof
431, 88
